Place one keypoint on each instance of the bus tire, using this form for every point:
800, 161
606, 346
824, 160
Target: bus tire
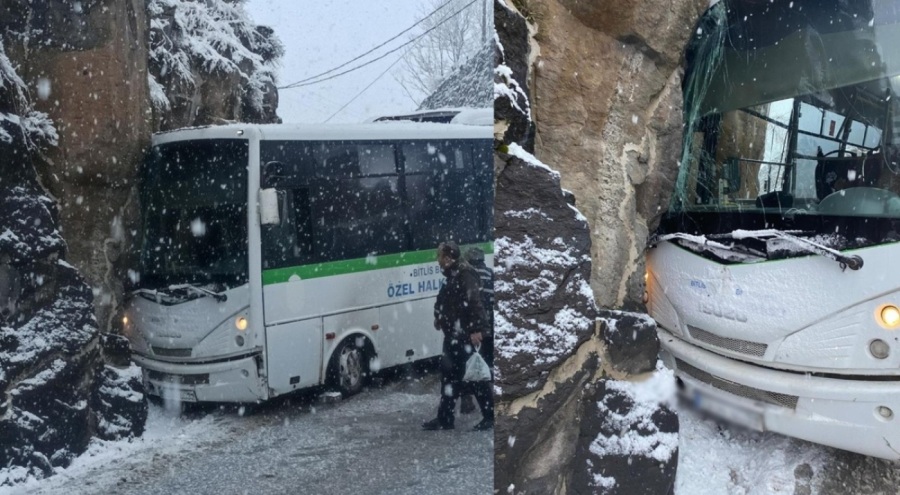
349, 367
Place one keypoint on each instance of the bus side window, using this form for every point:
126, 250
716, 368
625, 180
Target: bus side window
302, 218
443, 194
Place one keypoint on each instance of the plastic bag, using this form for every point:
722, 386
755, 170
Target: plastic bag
477, 369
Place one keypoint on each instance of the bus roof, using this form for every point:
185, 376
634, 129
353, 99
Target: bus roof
330, 132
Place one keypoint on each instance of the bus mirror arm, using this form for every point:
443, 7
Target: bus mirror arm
853, 262
268, 207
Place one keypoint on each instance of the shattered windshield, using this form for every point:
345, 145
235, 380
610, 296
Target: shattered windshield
792, 121
194, 200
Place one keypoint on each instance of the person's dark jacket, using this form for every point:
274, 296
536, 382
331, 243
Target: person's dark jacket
486, 276
458, 310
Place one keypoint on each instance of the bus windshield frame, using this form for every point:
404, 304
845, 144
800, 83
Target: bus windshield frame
792, 122
194, 210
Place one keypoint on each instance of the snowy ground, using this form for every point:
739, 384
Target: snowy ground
370, 443
717, 459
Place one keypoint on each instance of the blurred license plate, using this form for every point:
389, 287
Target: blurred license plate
748, 418
188, 396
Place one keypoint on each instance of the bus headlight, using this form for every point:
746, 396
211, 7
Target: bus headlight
888, 316
124, 321
240, 323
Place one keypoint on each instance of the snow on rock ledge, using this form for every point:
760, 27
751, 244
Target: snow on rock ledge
563, 425
209, 63
55, 382
545, 307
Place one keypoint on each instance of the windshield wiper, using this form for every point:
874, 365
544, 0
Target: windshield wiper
705, 244
219, 296
853, 262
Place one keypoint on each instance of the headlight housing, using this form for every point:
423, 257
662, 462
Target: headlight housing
888, 316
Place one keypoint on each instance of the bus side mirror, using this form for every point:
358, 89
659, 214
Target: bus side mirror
268, 207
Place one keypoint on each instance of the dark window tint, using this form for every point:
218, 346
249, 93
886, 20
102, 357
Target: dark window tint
194, 199
359, 202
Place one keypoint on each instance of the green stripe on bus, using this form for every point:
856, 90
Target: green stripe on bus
304, 272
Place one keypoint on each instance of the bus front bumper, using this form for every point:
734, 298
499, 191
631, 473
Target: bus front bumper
228, 381
857, 415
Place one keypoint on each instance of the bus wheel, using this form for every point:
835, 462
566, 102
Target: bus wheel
349, 368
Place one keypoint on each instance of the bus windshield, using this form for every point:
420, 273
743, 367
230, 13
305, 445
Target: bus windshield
792, 120
194, 202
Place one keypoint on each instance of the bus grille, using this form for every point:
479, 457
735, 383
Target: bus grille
774, 398
162, 351
196, 379
735, 345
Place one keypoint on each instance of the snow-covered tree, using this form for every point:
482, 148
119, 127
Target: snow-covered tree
456, 32
191, 41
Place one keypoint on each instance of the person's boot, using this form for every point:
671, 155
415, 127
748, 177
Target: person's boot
484, 425
467, 404
435, 424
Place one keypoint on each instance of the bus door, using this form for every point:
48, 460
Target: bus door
293, 324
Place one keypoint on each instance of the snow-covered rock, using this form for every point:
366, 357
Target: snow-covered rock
608, 101
564, 425
55, 382
110, 74
512, 106
210, 63
468, 86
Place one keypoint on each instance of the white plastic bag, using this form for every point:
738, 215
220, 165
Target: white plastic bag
477, 369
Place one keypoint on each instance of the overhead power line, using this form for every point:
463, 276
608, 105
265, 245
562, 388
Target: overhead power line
367, 87
299, 84
401, 33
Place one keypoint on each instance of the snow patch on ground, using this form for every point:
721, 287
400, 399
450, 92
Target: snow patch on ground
715, 458
637, 432
167, 433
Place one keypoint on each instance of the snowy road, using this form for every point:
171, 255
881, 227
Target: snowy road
715, 459
371, 443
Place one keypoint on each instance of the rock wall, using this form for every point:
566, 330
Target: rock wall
77, 108
109, 73
58, 388
86, 64
582, 405
210, 64
606, 99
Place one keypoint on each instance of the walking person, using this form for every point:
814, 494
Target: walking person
459, 314
475, 257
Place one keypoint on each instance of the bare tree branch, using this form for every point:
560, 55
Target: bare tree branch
436, 55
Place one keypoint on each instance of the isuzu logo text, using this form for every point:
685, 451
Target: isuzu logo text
718, 311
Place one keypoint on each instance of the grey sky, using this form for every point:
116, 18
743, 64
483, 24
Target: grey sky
321, 34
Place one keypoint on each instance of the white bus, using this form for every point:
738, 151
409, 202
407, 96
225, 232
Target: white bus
280, 257
775, 277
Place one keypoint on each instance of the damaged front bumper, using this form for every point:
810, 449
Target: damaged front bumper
227, 381
852, 414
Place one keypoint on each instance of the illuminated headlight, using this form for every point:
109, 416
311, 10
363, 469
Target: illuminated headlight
125, 321
240, 323
888, 316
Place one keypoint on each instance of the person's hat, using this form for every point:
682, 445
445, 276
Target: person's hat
475, 254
